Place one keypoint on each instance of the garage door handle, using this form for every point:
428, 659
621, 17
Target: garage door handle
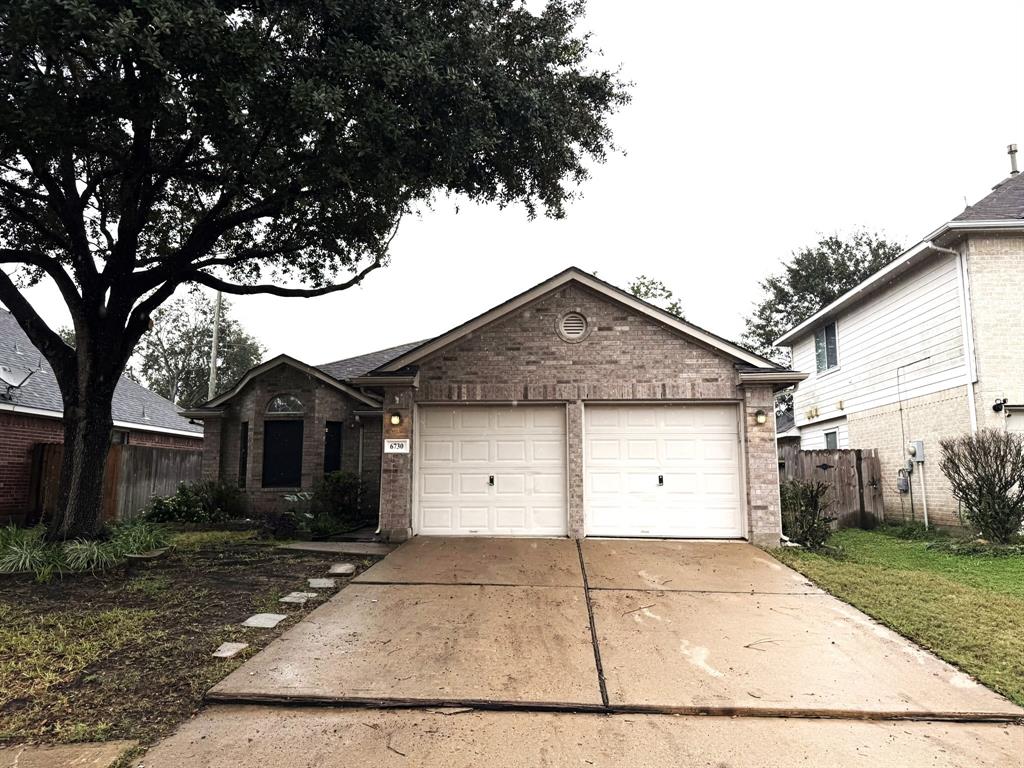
490, 480
661, 479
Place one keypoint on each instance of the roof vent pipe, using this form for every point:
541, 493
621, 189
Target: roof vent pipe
1011, 150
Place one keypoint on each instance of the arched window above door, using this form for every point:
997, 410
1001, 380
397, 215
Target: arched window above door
283, 405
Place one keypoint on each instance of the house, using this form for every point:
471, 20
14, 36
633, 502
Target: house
31, 412
572, 409
931, 346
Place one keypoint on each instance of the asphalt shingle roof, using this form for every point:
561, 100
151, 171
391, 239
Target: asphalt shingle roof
133, 403
351, 367
1004, 203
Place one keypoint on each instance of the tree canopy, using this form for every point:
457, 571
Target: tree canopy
657, 293
174, 356
260, 147
814, 277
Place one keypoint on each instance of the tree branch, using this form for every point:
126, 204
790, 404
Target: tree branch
60, 356
275, 290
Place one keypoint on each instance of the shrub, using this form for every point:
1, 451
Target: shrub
24, 550
207, 501
337, 497
135, 536
805, 518
89, 555
986, 473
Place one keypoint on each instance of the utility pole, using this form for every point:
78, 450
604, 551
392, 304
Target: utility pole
212, 391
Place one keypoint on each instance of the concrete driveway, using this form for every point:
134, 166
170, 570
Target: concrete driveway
534, 634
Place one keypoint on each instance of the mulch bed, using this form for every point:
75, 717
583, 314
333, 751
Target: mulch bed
177, 610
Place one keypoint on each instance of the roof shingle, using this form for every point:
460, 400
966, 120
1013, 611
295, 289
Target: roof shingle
1004, 203
133, 403
351, 367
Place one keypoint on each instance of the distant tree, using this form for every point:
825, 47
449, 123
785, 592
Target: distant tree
656, 292
174, 356
267, 147
814, 277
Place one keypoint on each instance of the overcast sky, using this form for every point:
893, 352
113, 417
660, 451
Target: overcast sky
753, 128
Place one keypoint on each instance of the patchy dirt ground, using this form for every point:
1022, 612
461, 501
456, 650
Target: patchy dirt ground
127, 656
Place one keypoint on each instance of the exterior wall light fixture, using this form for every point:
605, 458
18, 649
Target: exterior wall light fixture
396, 419
761, 417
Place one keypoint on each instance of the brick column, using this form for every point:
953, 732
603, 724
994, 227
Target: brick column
764, 510
396, 468
211, 448
574, 467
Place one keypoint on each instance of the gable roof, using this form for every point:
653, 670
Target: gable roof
574, 274
134, 406
351, 367
1005, 202
274, 362
1002, 210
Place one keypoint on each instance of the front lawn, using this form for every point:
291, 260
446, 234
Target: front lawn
967, 609
116, 656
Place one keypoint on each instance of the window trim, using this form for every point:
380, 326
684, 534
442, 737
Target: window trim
825, 435
814, 339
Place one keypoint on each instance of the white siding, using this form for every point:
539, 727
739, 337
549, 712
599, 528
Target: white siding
912, 327
812, 437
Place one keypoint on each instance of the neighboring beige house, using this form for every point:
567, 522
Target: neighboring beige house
930, 346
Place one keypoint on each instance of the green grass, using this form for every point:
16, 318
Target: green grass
967, 609
39, 653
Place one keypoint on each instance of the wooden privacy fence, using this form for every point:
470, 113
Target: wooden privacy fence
854, 478
133, 475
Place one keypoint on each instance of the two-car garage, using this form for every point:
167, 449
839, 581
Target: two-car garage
654, 470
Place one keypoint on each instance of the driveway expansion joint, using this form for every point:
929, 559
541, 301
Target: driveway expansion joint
499, 705
593, 628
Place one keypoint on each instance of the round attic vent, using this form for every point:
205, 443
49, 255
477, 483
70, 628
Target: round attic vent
573, 326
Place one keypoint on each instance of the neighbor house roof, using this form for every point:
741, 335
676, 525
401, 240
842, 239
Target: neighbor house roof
1002, 210
1005, 202
574, 274
134, 407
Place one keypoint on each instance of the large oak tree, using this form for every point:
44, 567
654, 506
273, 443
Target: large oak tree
259, 147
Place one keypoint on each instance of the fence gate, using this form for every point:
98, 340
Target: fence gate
853, 476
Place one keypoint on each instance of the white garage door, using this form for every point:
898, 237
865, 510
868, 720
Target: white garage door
491, 470
662, 470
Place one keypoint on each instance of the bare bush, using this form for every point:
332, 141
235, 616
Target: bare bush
986, 472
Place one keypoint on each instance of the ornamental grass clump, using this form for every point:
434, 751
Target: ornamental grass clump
986, 473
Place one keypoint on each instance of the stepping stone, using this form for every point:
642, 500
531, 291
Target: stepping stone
229, 650
298, 597
342, 569
322, 583
264, 620
341, 547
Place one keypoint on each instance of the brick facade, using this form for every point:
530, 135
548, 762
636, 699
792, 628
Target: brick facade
322, 403
20, 432
626, 356
995, 267
888, 429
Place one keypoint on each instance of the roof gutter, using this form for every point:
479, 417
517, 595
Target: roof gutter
772, 377
387, 380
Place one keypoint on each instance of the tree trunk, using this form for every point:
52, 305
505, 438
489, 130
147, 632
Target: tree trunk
88, 395
86, 445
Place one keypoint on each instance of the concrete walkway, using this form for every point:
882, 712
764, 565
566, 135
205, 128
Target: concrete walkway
532, 631
84, 755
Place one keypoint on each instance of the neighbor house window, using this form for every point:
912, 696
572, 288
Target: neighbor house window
832, 440
282, 443
826, 348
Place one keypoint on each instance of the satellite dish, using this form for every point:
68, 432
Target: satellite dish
14, 377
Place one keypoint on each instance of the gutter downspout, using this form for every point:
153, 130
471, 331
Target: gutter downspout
967, 328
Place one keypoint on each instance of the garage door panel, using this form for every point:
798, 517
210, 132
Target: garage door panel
437, 451
521, 447
695, 449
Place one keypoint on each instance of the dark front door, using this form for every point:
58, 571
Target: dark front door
332, 447
282, 454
